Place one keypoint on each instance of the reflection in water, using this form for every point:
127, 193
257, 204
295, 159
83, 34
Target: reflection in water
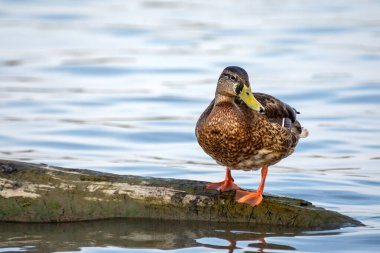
264, 245
140, 234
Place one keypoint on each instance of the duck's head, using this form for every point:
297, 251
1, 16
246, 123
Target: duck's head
234, 82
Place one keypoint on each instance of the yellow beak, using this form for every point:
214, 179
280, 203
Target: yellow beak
248, 98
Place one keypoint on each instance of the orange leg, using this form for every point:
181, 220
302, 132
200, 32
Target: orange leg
226, 185
253, 198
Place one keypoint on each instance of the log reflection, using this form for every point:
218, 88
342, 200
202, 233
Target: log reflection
139, 234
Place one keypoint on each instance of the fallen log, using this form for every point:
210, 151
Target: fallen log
42, 193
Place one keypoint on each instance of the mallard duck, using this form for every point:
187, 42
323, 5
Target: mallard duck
246, 131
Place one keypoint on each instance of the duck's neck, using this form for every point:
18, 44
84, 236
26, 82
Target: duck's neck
221, 98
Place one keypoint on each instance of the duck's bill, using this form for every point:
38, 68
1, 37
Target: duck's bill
248, 98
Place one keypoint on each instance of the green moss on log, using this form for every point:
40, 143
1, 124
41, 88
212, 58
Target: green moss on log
40, 193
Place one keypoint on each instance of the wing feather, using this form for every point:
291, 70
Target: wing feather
275, 109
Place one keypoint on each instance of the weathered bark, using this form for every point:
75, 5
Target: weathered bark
42, 193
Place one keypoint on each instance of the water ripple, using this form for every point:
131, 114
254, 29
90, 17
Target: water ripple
116, 71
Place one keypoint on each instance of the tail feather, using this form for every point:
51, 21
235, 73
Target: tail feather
304, 133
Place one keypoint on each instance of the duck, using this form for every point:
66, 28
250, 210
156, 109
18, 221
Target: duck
242, 130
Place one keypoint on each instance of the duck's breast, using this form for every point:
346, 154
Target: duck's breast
223, 133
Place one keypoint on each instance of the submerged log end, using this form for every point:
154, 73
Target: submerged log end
40, 193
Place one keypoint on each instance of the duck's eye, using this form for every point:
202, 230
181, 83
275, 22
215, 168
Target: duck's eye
232, 78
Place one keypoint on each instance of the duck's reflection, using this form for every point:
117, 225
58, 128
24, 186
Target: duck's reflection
140, 233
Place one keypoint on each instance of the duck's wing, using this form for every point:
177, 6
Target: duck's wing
284, 115
275, 108
277, 111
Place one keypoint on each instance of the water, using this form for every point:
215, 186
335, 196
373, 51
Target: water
117, 86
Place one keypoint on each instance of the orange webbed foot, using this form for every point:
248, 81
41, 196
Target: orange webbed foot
248, 197
253, 198
226, 185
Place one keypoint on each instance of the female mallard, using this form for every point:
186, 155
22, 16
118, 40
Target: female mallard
246, 131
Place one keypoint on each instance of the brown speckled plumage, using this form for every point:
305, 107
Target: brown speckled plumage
241, 138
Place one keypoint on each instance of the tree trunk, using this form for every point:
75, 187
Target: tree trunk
41, 193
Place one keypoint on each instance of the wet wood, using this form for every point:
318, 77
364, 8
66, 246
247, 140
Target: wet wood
41, 193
